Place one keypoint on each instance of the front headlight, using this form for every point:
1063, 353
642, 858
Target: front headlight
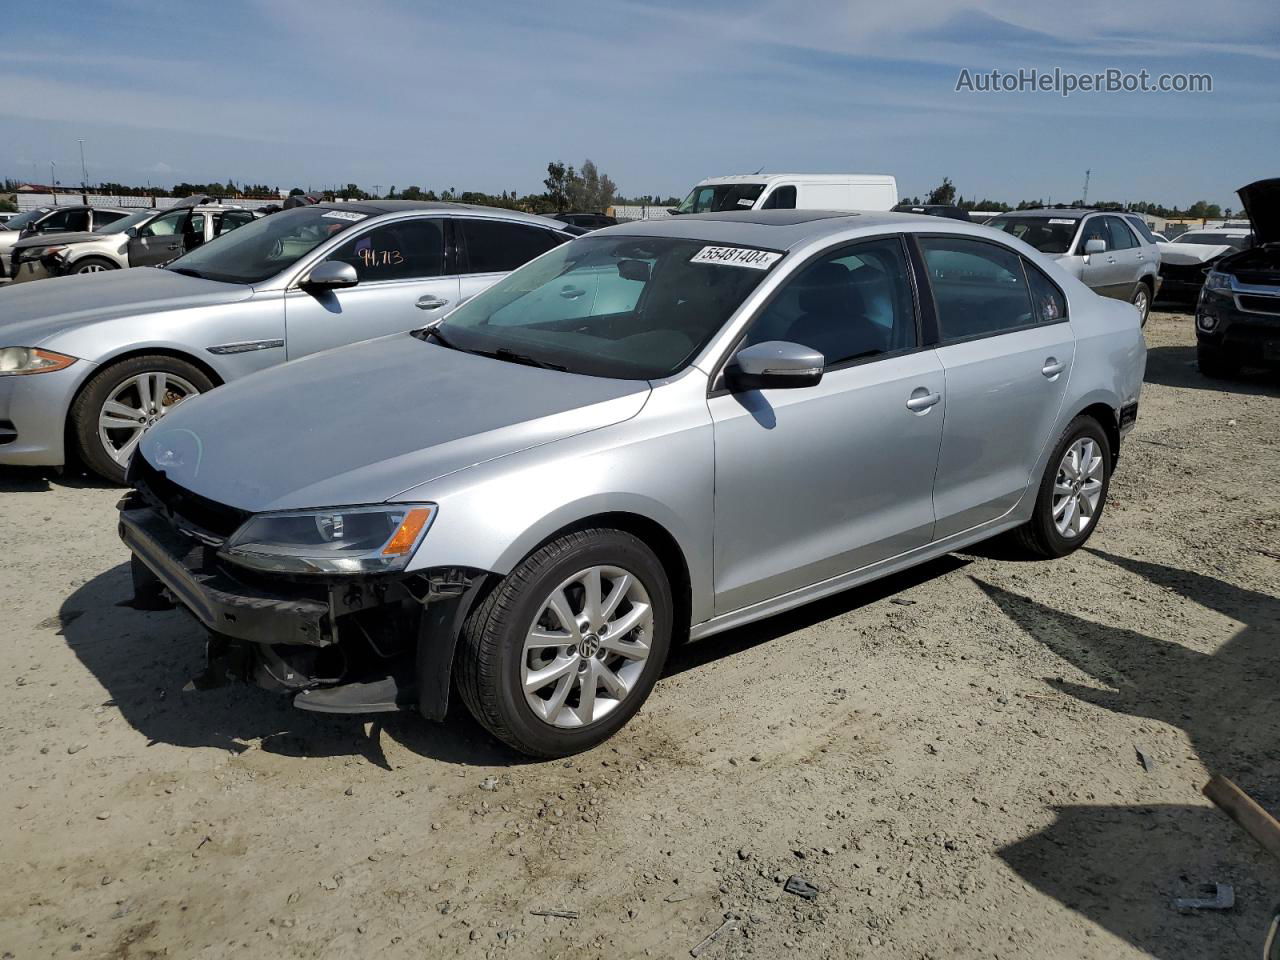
377, 539
17, 361
1217, 281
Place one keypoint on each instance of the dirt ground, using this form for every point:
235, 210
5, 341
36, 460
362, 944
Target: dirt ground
951, 757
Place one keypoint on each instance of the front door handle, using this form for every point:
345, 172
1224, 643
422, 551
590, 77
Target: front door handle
431, 303
921, 400
1111, 259
1052, 367
572, 293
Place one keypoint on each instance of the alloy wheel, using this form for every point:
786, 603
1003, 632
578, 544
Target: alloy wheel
587, 646
91, 268
1077, 488
136, 404
1140, 300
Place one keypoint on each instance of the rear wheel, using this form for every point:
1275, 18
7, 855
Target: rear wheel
568, 646
1072, 491
1142, 300
115, 407
1213, 363
93, 265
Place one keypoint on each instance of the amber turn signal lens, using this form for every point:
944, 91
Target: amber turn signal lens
407, 535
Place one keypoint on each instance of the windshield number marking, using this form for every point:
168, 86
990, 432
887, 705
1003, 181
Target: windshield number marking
737, 257
343, 215
1065, 223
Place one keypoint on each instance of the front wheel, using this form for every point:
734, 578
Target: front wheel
568, 646
93, 265
115, 407
1072, 491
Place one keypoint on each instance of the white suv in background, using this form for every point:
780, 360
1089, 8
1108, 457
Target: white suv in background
1114, 253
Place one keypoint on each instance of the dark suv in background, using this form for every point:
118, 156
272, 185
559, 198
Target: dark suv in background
1238, 313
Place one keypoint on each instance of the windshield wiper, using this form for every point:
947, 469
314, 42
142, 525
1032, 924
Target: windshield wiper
511, 356
187, 271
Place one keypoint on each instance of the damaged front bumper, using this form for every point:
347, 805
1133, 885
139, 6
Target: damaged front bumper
336, 645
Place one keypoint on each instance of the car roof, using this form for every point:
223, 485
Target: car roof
374, 207
783, 229
1225, 231
1064, 213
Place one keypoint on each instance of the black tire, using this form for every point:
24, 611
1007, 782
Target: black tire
1142, 300
88, 405
86, 265
1039, 536
488, 663
1213, 363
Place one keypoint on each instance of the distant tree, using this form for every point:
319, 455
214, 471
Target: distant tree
944, 193
412, 193
297, 192
558, 182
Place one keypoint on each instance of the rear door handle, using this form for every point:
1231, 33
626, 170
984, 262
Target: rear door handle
1052, 367
431, 303
1111, 259
921, 400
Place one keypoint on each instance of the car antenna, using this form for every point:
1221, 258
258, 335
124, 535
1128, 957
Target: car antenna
758, 172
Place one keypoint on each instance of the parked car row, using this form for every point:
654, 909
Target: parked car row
143, 238
50, 222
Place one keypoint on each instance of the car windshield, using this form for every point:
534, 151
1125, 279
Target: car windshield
263, 248
632, 308
1215, 240
1046, 234
124, 223
24, 220
721, 196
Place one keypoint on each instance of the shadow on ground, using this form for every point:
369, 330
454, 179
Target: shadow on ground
1120, 866
145, 658
39, 479
1177, 367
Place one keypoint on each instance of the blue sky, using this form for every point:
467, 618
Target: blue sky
658, 93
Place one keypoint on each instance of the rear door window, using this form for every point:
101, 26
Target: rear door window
1122, 237
1047, 300
979, 288
399, 250
231, 219
498, 246
102, 217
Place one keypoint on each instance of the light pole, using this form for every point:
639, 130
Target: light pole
84, 170
53, 181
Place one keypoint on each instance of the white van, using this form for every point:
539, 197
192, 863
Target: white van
790, 191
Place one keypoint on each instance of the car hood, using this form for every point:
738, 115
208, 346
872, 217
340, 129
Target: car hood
1191, 254
56, 239
361, 424
1261, 201
32, 312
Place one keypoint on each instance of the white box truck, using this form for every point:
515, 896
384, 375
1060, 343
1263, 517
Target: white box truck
792, 191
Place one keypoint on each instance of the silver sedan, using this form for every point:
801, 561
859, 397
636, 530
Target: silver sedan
655, 432
88, 362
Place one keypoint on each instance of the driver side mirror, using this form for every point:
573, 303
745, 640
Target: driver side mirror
330, 275
638, 270
774, 365
132, 233
1095, 245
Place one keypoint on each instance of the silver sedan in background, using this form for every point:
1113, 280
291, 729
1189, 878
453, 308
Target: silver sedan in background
659, 430
91, 361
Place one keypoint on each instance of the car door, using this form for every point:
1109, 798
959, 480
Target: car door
813, 482
1006, 347
1103, 272
402, 284
70, 220
489, 249
159, 240
1128, 253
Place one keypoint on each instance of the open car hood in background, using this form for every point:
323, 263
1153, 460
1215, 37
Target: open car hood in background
1261, 201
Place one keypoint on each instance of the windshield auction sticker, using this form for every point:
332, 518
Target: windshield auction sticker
737, 257
344, 215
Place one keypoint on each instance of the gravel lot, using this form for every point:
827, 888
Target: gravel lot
950, 756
